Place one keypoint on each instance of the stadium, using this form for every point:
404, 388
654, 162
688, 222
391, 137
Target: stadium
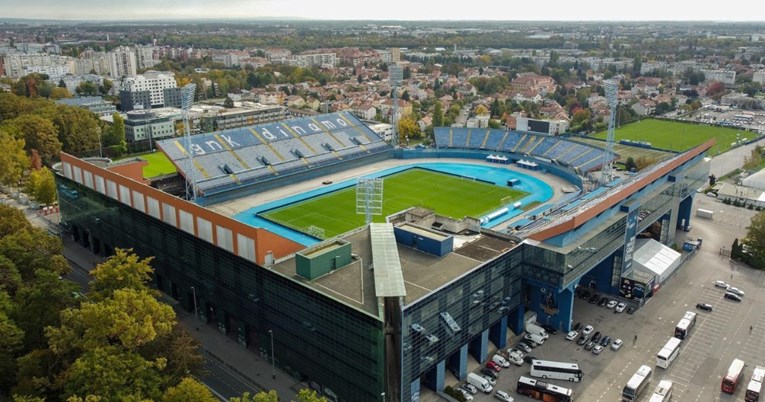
382, 273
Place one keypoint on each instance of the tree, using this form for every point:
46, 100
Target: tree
438, 115
188, 390
408, 128
405, 96
38, 303
123, 270
755, 241
228, 103
59, 93
12, 220
11, 342
481, 110
309, 395
270, 396
42, 186
38, 133
715, 88
114, 137
630, 164
78, 129
13, 159
754, 159
87, 88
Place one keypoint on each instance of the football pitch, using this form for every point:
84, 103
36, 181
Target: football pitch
449, 195
678, 136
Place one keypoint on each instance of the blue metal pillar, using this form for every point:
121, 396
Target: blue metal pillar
435, 377
414, 391
458, 362
562, 320
479, 346
498, 333
516, 320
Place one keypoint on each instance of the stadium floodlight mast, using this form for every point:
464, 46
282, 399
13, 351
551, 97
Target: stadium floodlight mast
187, 98
607, 167
369, 197
396, 76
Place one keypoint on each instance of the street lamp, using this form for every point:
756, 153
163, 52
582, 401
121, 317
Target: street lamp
196, 313
383, 396
273, 363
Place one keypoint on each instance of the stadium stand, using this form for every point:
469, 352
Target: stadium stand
244, 156
575, 155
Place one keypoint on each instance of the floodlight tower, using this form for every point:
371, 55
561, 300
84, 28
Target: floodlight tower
607, 167
396, 75
369, 197
187, 98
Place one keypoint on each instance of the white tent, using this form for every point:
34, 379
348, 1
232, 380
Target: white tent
655, 258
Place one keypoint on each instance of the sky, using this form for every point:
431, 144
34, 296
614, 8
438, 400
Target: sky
549, 10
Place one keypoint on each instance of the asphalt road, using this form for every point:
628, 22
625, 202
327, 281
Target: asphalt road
733, 159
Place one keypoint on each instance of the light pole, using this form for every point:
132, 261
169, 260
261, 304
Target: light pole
383, 396
273, 363
196, 313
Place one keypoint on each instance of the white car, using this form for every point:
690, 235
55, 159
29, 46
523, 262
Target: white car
516, 358
721, 284
503, 396
611, 304
620, 307
491, 381
470, 388
572, 335
617, 344
597, 349
587, 330
466, 394
736, 291
501, 361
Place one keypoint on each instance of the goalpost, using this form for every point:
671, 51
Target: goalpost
315, 231
506, 200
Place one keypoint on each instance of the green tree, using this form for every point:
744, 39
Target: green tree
13, 159
630, 164
42, 186
78, 129
228, 103
188, 390
438, 115
270, 396
123, 270
12, 220
755, 241
38, 133
114, 137
408, 128
87, 88
11, 342
38, 303
309, 395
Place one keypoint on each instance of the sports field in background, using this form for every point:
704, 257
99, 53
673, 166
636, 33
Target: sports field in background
448, 195
158, 164
678, 136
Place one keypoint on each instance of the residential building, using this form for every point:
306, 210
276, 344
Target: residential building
758, 76
146, 56
152, 82
95, 104
313, 59
144, 125
122, 62
727, 77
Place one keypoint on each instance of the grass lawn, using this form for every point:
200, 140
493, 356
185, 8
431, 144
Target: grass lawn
678, 136
448, 195
158, 164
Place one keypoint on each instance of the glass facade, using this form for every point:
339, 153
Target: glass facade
315, 337
475, 302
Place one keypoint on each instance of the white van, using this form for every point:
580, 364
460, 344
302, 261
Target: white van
479, 382
536, 329
538, 339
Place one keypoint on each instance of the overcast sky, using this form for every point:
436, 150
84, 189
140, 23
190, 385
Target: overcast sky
569, 10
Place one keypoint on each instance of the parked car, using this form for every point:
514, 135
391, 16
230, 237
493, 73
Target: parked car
500, 361
736, 291
577, 326
612, 304
469, 388
503, 396
492, 380
524, 347
603, 302
597, 349
572, 335
494, 366
617, 344
531, 344
534, 338
732, 296
594, 299
487, 372
620, 307
587, 329
582, 340
721, 284
550, 329
605, 341
704, 306
589, 345
465, 394
585, 295
596, 337
630, 310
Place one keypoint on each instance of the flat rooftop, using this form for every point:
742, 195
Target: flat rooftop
423, 273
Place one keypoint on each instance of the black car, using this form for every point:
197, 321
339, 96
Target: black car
589, 345
577, 327
603, 302
489, 373
594, 299
630, 310
704, 306
550, 329
596, 337
529, 343
528, 358
605, 341
582, 340
585, 295
732, 296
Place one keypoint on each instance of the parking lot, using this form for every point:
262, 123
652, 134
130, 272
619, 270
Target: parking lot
717, 338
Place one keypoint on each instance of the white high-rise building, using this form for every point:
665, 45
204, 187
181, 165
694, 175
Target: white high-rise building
154, 82
146, 56
122, 62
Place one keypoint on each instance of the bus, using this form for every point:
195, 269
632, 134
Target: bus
755, 385
637, 384
663, 392
668, 353
685, 325
543, 391
732, 377
556, 370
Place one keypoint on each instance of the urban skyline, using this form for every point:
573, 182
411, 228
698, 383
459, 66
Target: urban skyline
554, 10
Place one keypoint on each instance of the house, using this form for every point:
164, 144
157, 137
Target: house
295, 102
365, 111
644, 107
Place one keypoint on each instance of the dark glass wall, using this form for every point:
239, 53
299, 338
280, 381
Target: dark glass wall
316, 338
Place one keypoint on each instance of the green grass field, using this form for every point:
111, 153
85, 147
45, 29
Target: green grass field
448, 195
158, 164
678, 136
